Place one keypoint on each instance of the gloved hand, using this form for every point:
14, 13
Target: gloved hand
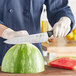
9, 33
62, 27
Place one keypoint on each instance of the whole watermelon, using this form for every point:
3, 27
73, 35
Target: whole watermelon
23, 58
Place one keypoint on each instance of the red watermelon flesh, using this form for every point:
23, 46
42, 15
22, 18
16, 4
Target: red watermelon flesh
64, 62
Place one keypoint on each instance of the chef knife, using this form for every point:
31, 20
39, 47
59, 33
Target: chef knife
34, 38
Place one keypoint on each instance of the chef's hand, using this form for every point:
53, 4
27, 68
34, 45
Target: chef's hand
62, 27
9, 33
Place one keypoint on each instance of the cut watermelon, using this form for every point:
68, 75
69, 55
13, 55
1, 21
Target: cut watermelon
64, 62
23, 58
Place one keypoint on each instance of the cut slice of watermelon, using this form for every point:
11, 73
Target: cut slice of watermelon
64, 62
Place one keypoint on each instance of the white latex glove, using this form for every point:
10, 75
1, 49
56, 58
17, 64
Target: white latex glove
62, 27
9, 33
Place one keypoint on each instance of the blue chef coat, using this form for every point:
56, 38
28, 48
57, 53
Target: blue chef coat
25, 15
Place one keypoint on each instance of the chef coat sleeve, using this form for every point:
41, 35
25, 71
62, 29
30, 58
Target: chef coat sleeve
57, 9
1, 22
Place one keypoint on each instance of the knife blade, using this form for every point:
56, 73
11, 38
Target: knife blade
34, 38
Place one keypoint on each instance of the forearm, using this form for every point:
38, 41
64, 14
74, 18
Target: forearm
2, 28
8, 33
60, 9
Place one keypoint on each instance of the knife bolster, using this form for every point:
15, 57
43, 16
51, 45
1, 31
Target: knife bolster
50, 33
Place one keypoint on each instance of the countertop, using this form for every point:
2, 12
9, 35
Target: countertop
48, 72
61, 47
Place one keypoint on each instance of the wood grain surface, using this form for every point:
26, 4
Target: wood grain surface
61, 47
48, 72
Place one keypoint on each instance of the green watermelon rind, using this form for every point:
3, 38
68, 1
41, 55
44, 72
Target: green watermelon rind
41, 64
74, 57
74, 68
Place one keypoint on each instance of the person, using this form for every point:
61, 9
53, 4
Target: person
22, 17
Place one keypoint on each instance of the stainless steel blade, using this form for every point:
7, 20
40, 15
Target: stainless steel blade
35, 38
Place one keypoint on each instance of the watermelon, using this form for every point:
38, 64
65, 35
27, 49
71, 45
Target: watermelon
64, 62
23, 58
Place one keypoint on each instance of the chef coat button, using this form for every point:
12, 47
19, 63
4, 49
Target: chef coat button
26, 12
11, 10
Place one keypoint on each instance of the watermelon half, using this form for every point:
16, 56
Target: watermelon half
23, 58
64, 62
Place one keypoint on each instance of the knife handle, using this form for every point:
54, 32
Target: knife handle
50, 33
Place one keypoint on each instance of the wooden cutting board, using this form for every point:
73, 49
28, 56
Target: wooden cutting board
61, 47
48, 72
